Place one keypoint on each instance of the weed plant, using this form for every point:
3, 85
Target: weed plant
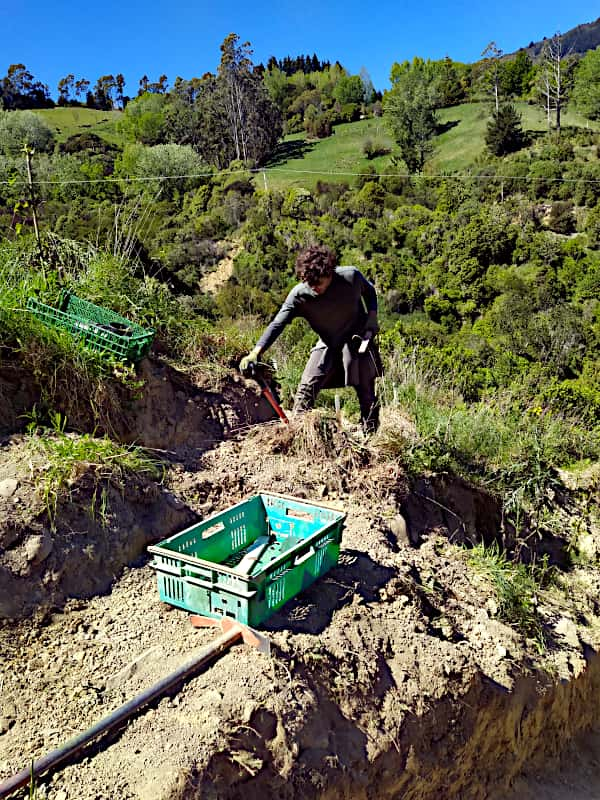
32, 784
492, 441
216, 350
65, 457
516, 587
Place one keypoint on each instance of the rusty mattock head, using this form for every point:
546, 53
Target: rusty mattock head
249, 635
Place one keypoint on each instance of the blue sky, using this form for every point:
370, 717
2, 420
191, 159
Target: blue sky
182, 38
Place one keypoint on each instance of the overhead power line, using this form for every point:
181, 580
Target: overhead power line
269, 170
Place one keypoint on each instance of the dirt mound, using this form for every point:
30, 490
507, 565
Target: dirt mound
41, 563
76, 550
175, 413
160, 407
391, 676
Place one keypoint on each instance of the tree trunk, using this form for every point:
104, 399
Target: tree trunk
231, 110
242, 122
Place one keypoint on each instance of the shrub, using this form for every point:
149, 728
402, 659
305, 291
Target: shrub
19, 128
562, 219
166, 169
575, 397
560, 149
87, 142
592, 226
298, 204
545, 179
348, 112
143, 119
440, 309
318, 125
372, 148
370, 236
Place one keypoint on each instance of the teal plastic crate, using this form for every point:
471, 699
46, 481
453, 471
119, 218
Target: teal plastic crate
96, 327
199, 569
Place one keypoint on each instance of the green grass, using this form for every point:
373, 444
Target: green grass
512, 452
464, 141
301, 163
66, 457
66, 122
515, 587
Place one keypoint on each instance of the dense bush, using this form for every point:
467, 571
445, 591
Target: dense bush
19, 128
164, 170
561, 219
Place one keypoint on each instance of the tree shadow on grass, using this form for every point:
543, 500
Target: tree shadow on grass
532, 137
287, 150
443, 127
312, 610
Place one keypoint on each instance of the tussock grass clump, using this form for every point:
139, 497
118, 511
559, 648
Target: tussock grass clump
62, 458
313, 435
316, 436
516, 587
396, 436
310, 435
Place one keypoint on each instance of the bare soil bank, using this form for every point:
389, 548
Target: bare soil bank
391, 677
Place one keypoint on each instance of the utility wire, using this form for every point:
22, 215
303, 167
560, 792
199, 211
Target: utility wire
266, 171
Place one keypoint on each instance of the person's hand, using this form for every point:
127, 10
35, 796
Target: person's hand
372, 324
249, 360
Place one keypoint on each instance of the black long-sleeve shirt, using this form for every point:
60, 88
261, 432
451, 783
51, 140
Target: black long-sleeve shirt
336, 315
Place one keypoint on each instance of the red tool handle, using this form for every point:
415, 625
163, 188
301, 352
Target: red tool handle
274, 404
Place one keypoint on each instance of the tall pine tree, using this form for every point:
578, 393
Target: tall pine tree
504, 133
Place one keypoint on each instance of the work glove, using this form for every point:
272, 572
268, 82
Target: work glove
371, 324
250, 360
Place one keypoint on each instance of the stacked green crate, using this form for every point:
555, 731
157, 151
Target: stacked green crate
96, 327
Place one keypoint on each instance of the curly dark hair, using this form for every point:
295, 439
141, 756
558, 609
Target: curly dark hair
315, 263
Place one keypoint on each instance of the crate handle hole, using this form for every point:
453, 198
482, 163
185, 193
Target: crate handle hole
299, 514
304, 557
206, 534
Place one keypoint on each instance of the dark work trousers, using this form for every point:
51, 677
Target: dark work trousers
325, 370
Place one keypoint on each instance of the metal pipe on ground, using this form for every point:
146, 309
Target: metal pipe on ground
233, 634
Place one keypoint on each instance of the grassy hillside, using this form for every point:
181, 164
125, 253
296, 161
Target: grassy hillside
67, 122
338, 158
302, 163
464, 138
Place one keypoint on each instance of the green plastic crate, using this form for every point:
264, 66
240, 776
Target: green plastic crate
196, 568
96, 327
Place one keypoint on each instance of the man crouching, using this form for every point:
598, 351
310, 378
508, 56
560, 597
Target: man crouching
340, 305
